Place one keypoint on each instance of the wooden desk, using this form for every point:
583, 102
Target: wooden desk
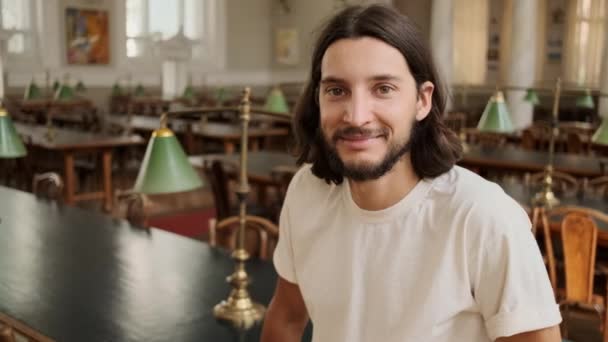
228, 134
69, 143
260, 164
76, 275
521, 160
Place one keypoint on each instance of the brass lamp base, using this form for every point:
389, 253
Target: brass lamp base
546, 199
241, 313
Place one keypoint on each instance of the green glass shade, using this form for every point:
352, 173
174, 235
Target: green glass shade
585, 101
139, 90
601, 135
11, 145
531, 96
80, 87
116, 90
65, 92
56, 85
189, 93
32, 92
220, 95
495, 117
275, 102
165, 167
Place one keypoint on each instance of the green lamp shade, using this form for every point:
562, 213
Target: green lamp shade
139, 90
531, 96
585, 101
116, 90
56, 85
275, 102
189, 93
601, 135
220, 95
65, 92
32, 92
80, 87
165, 167
495, 117
11, 145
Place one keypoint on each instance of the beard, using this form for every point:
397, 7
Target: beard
366, 171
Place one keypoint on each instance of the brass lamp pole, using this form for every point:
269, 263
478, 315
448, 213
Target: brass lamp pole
546, 197
238, 309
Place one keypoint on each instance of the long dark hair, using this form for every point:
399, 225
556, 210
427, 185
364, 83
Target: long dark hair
434, 147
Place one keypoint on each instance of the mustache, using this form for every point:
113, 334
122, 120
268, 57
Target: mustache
358, 132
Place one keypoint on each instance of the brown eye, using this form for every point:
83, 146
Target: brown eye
384, 90
335, 91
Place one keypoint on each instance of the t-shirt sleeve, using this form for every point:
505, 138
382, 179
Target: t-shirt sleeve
510, 282
283, 254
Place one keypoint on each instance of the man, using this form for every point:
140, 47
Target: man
382, 238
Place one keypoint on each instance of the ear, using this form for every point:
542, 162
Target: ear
425, 100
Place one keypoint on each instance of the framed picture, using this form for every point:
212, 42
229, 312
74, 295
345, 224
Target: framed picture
87, 36
287, 51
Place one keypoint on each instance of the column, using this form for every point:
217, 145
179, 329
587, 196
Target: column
602, 110
521, 67
441, 40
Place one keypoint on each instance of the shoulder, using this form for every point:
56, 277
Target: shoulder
306, 186
481, 204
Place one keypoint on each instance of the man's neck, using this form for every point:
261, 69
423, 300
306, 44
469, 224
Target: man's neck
387, 190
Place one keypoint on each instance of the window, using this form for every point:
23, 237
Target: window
470, 41
584, 41
151, 20
17, 18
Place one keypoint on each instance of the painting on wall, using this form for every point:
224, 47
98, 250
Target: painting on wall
286, 47
87, 36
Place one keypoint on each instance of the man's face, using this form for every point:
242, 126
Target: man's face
369, 103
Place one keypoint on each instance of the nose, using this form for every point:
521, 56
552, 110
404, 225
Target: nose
358, 111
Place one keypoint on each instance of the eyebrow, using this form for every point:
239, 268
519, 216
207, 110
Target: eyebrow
382, 77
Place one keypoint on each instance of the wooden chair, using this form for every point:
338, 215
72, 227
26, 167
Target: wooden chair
223, 232
12, 330
487, 139
579, 242
220, 188
48, 185
597, 187
563, 183
215, 174
456, 121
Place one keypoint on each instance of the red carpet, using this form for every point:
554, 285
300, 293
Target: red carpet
191, 224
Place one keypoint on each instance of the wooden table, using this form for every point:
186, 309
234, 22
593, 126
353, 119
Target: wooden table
228, 134
76, 275
521, 160
259, 167
524, 194
69, 143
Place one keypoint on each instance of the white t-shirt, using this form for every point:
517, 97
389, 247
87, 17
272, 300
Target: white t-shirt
454, 260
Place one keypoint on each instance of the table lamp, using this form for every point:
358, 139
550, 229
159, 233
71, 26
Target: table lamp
139, 90
166, 169
11, 145
275, 102
80, 87
546, 198
601, 135
32, 92
531, 97
495, 117
64, 93
189, 94
586, 100
117, 89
